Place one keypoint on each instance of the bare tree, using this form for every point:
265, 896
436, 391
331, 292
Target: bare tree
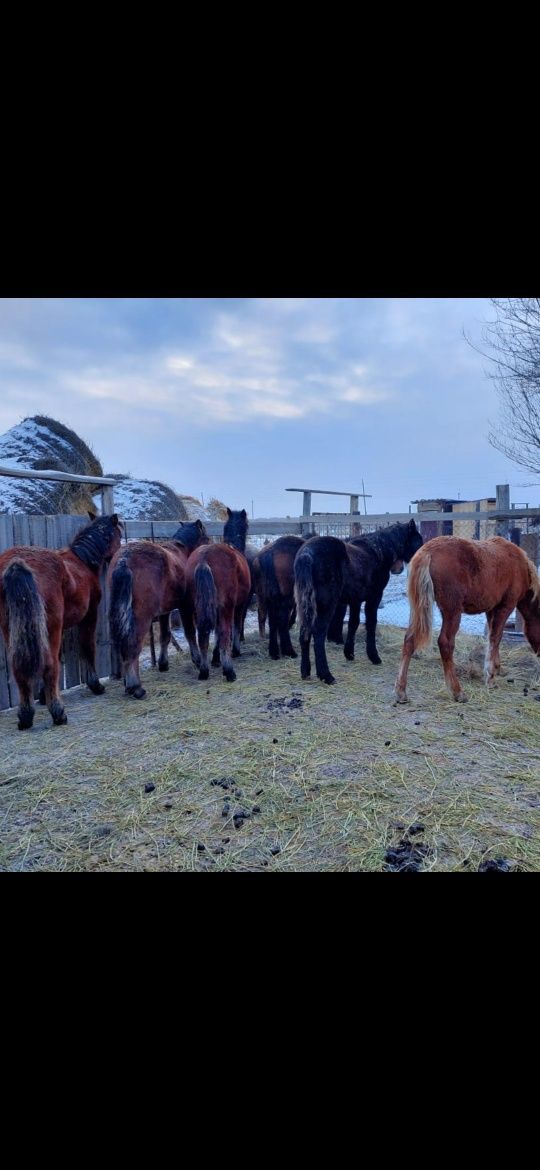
513, 347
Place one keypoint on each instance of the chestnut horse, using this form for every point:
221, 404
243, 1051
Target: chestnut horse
468, 576
235, 533
273, 578
44, 592
217, 587
148, 580
331, 574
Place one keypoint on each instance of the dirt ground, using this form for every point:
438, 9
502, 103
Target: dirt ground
272, 773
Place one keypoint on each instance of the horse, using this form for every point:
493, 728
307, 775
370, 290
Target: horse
331, 574
273, 576
44, 592
468, 576
148, 580
235, 533
218, 582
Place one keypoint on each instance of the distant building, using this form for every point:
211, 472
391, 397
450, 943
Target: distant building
469, 529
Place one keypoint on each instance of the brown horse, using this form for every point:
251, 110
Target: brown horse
148, 580
273, 578
44, 592
468, 576
217, 587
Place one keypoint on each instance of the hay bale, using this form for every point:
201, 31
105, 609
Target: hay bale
44, 444
145, 499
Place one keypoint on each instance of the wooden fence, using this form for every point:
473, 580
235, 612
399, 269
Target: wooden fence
58, 531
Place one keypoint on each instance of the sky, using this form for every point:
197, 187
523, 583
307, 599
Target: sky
242, 398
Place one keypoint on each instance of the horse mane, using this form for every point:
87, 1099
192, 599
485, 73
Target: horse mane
92, 542
534, 579
386, 543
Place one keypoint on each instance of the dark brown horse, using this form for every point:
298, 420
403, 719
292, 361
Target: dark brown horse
468, 576
147, 581
273, 578
217, 587
331, 574
235, 533
44, 592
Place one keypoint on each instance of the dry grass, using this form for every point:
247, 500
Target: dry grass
338, 777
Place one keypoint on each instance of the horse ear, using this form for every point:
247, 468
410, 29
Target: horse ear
199, 525
229, 513
114, 519
92, 515
412, 525
244, 513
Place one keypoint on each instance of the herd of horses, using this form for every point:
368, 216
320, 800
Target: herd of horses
211, 584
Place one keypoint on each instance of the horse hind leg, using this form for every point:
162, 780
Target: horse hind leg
320, 627
496, 619
446, 642
87, 650
237, 630
26, 710
164, 639
287, 648
51, 672
225, 642
409, 647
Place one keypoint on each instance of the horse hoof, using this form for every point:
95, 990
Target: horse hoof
402, 698
305, 674
327, 678
235, 653
274, 654
376, 661
163, 666
230, 675
349, 655
461, 698
24, 726
59, 720
290, 654
203, 673
97, 688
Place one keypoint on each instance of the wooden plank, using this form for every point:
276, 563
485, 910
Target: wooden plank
5, 697
6, 532
21, 529
64, 476
38, 531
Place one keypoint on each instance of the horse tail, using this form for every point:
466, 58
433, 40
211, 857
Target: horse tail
205, 599
304, 592
421, 598
28, 638
121, 617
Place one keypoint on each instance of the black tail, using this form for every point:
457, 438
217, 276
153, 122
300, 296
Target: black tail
121, 616
205, 599
304, 592
28, 639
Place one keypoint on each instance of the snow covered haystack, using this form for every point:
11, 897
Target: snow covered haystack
144, 499
44, 444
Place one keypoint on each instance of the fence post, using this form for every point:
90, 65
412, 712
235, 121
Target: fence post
502, 505
306, 511
107, 500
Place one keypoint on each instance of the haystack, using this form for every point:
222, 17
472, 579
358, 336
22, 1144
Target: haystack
44, 444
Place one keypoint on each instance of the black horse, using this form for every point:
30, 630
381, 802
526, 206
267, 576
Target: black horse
235, 533
331, 574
